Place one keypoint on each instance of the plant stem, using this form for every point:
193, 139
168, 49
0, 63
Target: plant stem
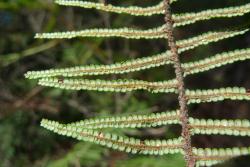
6, 60
181, 87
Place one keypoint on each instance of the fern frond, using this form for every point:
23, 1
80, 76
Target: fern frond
216, 61
129, 33
198, 126
211, 156
189, 18
214, 95
112, 86
153, 33
133, 121
179, 19
117, 68
208, 163
140, 63
130, 145
222, 127
194, 96
91, 130
132, 10
208, 37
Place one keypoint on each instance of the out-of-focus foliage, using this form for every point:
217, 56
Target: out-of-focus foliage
22, 104
81, 153
144, 161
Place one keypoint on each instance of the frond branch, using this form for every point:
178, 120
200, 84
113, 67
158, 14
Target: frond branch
130, 145
129, 33
216, 61
207, 38
215, 95
132, 10
170, 86
222, 127
179, 19
133, 121
189, 18
116, 68
111, 86
211, 156
140, 63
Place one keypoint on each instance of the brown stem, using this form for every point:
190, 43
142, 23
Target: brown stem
189, 157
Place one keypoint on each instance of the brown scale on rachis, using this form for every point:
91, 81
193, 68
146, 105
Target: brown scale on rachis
60, 80
105, 2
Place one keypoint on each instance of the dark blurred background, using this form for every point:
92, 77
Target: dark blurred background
23, 104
